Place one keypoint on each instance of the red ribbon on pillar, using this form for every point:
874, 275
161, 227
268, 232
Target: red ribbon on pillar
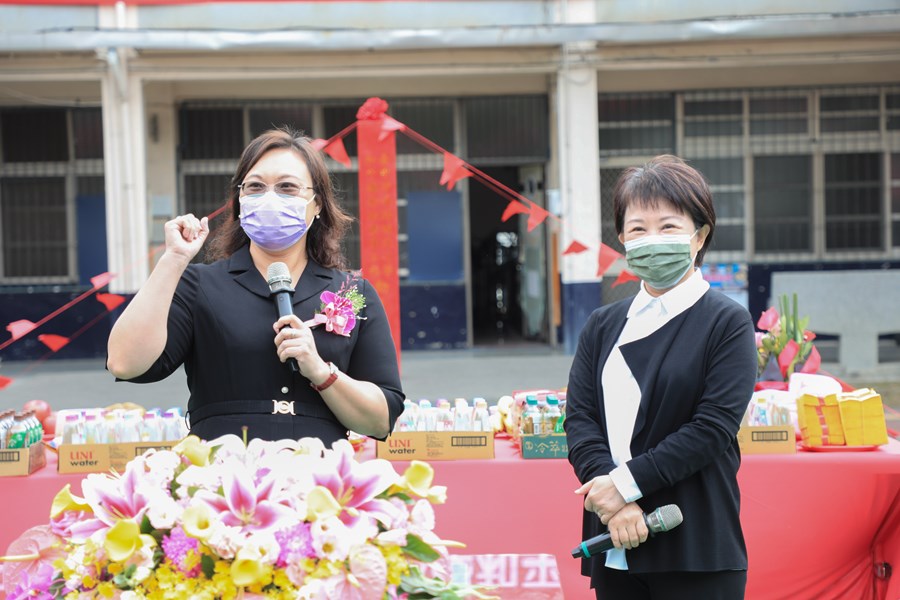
378, 229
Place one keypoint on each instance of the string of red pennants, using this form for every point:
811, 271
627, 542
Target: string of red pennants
455, 169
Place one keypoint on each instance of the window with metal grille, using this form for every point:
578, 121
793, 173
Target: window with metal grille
507, 129
794, 170
783, 203
853, 202
35, 239
48, 157
895, 199
636, 124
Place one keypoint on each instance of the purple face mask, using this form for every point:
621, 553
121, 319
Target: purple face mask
274, 222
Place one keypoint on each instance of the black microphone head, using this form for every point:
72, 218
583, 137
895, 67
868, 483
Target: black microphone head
278, 276
664, 518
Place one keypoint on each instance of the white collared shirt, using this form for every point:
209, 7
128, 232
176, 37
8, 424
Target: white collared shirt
621, 393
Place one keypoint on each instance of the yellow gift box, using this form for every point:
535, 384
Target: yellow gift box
862, 417
820, 420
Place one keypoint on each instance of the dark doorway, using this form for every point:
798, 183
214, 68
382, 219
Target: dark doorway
496, 313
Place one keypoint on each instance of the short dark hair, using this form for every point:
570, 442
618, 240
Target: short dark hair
323, 240
671, 180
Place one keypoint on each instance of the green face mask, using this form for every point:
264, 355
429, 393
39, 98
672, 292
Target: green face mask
660, 260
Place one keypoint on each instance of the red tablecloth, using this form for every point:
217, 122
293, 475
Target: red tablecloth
816, 523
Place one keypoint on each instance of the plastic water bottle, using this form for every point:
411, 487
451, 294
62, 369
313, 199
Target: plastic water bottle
18, 433
444, 417
481, 420
73, 430
6, 421
150, 428
531, 418
425, 419
462, 416
407, 419
553, 415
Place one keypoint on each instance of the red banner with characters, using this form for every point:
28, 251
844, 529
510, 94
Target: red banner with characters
378, 215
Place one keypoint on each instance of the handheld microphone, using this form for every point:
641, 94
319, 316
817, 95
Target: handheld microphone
278, 276
664, 518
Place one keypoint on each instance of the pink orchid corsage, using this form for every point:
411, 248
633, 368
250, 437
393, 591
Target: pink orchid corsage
340, 310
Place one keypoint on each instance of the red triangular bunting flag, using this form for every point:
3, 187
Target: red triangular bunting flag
338, 152
4, 381
110, 301
98, 281
624, 277
19, 328
513, 208
454, 170
319, 144
536, 216
606, 258
575, 247
53, 341
388, 126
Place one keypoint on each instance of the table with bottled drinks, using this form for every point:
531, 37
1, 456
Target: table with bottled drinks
817, 524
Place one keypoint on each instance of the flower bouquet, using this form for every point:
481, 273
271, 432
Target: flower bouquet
226, 519
785, 345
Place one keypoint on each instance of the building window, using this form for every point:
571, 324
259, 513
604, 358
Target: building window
507, 129
726, 182
801, 170
636, 124
895, 200
848, 112
783, 203
48, 157
35, 237
853, 202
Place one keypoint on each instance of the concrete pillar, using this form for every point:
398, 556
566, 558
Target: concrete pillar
124, 152
578, 147
124, 158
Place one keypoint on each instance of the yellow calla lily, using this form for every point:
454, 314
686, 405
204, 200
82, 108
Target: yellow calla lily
437, 494
197, 521
65, 501
418, 477
321, 504
122, 540
194, 449
246, 569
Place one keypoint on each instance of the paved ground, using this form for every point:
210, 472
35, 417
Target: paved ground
489, 372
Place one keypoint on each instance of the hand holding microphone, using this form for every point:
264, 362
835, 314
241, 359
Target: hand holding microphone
278, 276
664, 518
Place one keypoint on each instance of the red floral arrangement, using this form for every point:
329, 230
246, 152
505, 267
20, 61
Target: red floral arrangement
784, 345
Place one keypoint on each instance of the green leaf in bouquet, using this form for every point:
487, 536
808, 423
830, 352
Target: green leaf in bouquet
419, 550
146, 527
123, 580
419, 587
207, 565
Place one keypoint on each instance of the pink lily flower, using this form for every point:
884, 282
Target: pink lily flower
112, 498
355, 485
246, 503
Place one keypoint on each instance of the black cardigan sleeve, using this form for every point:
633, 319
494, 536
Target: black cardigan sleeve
584, 425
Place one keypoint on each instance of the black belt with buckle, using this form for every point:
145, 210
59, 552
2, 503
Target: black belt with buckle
259, 407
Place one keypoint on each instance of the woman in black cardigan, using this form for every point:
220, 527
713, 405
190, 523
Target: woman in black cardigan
282, 378
656, 392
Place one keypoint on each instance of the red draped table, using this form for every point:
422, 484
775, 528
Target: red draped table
817, 524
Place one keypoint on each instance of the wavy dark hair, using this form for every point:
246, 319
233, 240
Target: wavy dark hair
669, 179
323, 239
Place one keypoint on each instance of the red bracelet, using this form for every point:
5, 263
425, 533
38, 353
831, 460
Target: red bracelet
327, 383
